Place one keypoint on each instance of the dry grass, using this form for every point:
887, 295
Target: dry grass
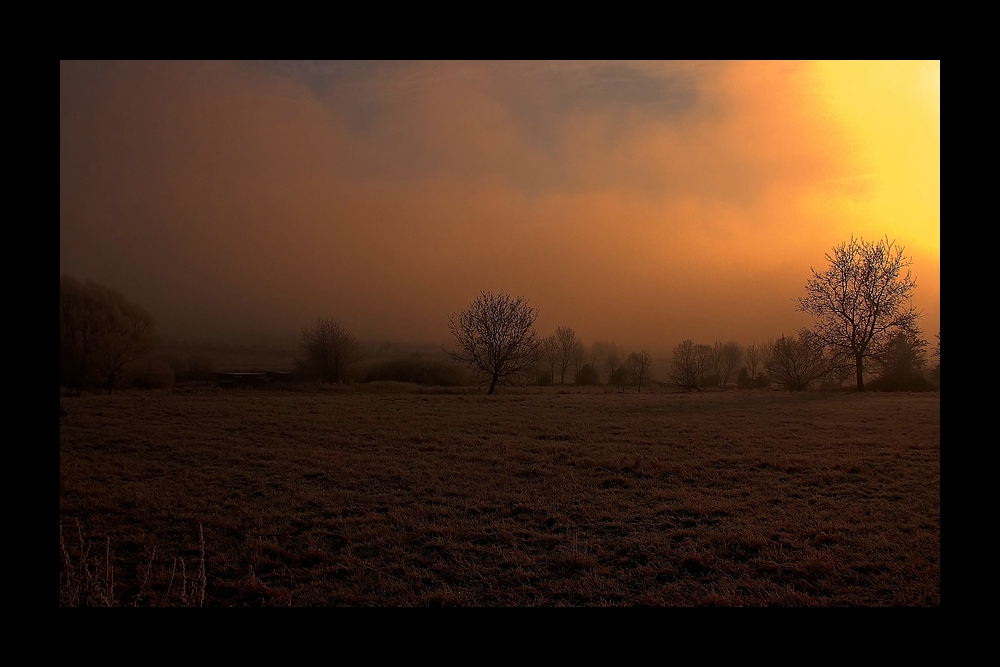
551, 498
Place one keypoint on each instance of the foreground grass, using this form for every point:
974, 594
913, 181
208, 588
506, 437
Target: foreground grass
354, 498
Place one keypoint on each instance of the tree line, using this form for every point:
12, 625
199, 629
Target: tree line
865, 326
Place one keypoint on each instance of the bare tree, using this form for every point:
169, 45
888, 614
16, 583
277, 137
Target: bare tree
753, 362
550, 353
608, 356
798, 362
495, 336
687, 369
567, 344
103, 336
725, 359
862, 301
902, 364
639, 364
936, 353
756, 357
332, 352
580, 357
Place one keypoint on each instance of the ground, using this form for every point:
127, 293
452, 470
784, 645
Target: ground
374, 496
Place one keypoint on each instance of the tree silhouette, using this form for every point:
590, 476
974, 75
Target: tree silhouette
569, 346
725, 359
796, 363
862, 301
687, 369
638, 364
103, 336
495, 336
331, 350
549, 350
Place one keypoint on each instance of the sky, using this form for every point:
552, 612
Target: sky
640, 202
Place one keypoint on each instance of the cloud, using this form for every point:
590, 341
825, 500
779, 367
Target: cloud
648, 202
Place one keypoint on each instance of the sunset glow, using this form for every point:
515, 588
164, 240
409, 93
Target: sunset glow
640, 202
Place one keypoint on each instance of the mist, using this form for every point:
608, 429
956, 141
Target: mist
645, 203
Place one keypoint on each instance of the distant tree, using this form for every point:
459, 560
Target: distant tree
550, 355
639, 364
687, 369
621, 378
580, 357
332, 352
862, 301
796, 363
902, 365
729, 360
937, 359
568, 345
495, 336
103, 336
587, 376
608, 356
753, 374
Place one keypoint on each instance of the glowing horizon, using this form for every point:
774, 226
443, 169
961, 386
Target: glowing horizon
640, 202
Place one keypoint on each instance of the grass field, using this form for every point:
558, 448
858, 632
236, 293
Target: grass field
407, 498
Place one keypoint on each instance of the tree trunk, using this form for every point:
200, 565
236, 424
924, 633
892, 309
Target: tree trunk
860, 367
493, 384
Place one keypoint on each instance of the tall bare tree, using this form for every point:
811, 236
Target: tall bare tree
609, 357
568, 345
725, 359
639, 364
862, 300
495, 336
753, 361
550, 354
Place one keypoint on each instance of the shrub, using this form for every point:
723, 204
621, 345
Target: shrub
332, 352
417, 371
912, 382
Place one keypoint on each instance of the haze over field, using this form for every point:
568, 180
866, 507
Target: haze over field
640, 202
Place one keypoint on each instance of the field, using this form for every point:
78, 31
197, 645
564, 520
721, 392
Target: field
542, 498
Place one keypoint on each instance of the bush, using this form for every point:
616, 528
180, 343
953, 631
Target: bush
912, 382
332, 352
544, 379
417, 371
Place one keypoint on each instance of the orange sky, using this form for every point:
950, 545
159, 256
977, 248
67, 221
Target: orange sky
639, 202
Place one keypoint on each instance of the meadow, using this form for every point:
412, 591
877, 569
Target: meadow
394, 495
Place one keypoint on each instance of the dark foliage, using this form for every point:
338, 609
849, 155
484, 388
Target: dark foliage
332, 352
418, 371
103, 337
587, 376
